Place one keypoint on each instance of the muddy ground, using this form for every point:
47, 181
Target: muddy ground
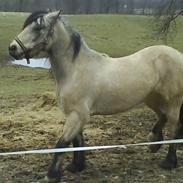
35, 122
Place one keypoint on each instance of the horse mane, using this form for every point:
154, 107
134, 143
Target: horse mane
34, 16
76, 39
75, 36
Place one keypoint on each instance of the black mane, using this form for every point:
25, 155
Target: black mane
34, 16
76, 39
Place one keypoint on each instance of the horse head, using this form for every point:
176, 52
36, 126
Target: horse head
36, 36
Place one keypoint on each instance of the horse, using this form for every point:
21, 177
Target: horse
91, 83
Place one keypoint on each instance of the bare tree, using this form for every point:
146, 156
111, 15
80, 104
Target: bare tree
166, 17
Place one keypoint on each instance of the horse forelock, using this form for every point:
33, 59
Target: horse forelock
34, 16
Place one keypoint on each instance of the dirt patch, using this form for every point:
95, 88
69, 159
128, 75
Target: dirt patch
37, 123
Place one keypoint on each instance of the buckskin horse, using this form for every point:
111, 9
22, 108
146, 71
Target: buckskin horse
91, 83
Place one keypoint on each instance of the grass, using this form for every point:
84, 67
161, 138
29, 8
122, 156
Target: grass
120, 35
116, 35
10, 26
21, 81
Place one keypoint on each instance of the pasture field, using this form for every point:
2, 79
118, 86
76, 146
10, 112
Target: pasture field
30, 118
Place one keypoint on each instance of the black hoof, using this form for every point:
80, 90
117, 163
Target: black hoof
75, 168
154, 148
168, 164
53, 176
50, 180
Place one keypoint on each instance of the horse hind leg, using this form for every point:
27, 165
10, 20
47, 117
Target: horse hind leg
156, 134
171, 158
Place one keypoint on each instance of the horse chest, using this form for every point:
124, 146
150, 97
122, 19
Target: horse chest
69, 101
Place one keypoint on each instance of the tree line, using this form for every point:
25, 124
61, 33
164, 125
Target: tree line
84, 6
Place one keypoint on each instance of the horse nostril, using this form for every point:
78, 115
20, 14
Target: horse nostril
13, 48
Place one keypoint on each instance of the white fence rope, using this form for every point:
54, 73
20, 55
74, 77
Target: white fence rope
72, 149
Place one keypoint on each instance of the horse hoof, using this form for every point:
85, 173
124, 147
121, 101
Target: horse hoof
53, 176
168, 165
73, 168
50, 180
154, 148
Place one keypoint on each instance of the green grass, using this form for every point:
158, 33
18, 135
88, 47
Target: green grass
21, 81
116, 35
120, 35
10, 26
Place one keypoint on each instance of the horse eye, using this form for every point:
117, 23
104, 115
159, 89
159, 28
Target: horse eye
38, 27
39, 24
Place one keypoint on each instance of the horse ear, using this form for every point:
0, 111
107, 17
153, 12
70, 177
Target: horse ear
59, 13
53, 15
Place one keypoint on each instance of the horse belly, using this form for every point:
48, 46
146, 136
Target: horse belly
122, 86
115, 103
108, 108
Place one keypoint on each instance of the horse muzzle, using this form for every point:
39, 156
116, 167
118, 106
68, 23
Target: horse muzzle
13, 51
17, 54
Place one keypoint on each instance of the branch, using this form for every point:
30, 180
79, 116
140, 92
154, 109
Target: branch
166, 18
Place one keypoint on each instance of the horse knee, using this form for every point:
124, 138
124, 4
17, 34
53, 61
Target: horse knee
73, 126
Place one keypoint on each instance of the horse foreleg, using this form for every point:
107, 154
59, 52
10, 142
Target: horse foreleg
78, 162
54, 173
72, 128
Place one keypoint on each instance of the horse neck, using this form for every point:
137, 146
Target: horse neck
61, 57
59, 53
61, 62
